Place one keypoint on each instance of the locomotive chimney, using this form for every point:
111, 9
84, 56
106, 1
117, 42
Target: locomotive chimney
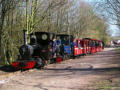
25, 36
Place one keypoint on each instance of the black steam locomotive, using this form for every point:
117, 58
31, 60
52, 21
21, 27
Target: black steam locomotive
40, 51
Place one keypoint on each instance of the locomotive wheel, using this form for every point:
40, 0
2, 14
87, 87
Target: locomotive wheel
39, 63
73, 57
47, 62
66, 57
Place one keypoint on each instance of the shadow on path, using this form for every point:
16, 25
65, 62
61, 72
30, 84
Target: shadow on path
8, 68
84, 69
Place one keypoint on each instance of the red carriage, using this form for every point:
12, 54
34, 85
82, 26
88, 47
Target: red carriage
78, 47
92, 45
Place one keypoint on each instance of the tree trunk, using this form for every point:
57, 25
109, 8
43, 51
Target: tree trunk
1, 30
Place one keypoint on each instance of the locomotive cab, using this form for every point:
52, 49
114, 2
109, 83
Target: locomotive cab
45, 41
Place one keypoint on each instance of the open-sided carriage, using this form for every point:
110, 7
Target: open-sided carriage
99, 45
93, 45
79, 47
86, 45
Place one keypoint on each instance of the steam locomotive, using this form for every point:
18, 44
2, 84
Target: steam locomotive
38, 52
45, 48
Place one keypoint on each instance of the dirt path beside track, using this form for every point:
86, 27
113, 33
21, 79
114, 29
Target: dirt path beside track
100, 71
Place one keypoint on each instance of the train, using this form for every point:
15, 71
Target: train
46, 48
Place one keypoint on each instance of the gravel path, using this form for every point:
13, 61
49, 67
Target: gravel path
84, 73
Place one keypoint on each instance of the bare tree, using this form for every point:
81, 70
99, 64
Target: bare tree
5, 6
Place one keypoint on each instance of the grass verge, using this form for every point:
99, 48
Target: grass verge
118, 49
